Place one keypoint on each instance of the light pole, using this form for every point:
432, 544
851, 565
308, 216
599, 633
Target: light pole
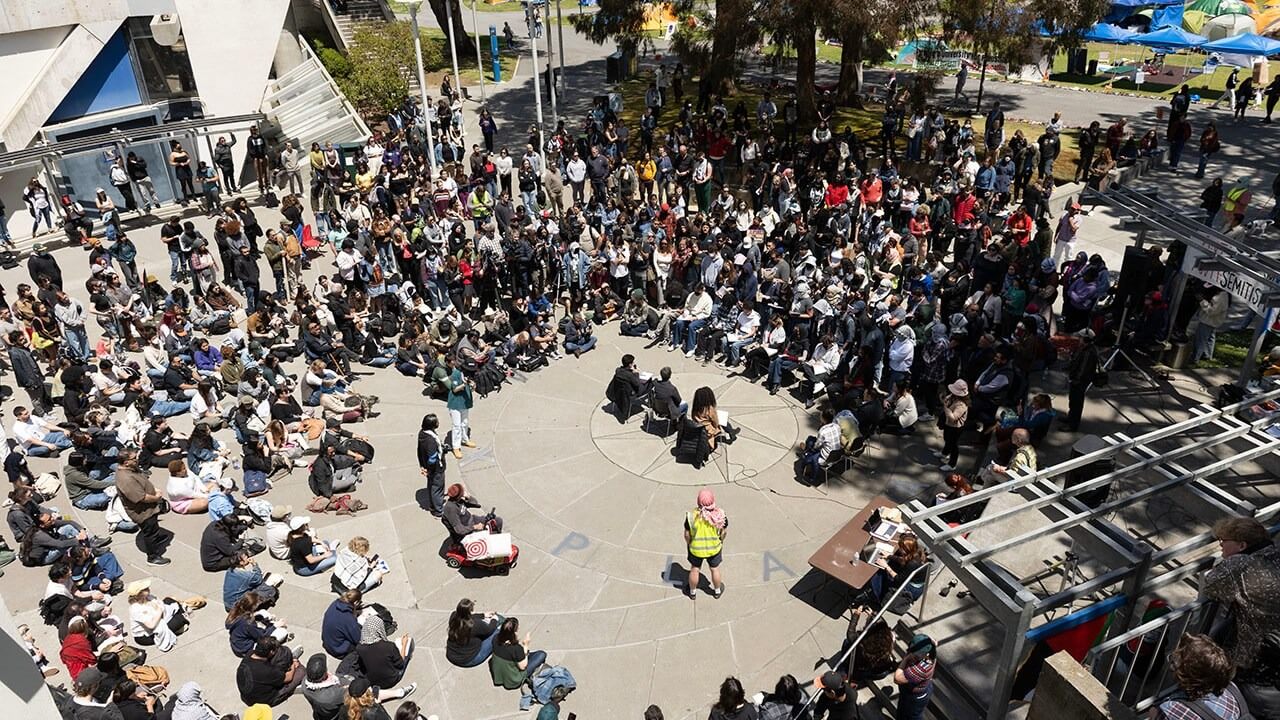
560, 41
537, 91
453, 46
422, 85
475, 27
552, 91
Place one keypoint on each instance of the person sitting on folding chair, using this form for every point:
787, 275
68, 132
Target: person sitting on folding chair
818, 448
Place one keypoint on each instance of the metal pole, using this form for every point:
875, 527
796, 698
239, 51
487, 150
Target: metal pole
551, 78
475, 27
422, 87
453, 46
537, 91
560, 42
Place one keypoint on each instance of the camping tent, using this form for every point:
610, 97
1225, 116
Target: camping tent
1247, 44
1171, 38
1225, 26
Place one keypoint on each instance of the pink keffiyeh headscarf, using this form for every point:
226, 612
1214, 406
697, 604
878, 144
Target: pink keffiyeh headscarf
708, 510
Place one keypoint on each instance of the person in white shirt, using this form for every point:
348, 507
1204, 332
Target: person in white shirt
40, 437
744, 333
277, 532
697, 309
902, 352
902, 417
576, 172
346, 262
826, 356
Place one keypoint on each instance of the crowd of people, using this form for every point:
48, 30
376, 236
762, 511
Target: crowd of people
889, 289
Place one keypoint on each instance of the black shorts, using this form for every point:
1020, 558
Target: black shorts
713, 561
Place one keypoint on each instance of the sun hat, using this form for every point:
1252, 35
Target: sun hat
959, 388
137, 587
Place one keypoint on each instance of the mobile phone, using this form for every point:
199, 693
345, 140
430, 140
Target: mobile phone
573, 716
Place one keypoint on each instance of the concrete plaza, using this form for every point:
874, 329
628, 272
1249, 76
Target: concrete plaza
596, 508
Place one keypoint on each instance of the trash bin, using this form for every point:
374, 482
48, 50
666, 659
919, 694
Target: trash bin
613, 67
1093, 68
1177, 356
1161, 111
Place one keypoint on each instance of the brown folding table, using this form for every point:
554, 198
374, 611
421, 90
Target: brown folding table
838, 557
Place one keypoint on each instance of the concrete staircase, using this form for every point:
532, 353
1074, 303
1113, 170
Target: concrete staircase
359, 13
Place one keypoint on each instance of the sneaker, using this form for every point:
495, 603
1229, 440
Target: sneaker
939, 454
946, 468
408, 689
457, 453
718, 591
670, 348
158, 560
689, 354
926, 418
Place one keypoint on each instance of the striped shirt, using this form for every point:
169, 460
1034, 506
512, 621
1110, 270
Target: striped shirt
919, 673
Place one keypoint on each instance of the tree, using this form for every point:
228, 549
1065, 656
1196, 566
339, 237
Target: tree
868, 30
710, 39
381, 61
1009, 29
463, 43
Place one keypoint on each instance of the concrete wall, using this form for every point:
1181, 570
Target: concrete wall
21, 686
22, 15
1067, 690
25, 55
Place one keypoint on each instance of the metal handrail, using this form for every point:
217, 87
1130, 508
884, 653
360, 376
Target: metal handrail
884, 607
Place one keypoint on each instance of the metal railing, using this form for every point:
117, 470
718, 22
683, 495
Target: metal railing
1134, 665
884, 608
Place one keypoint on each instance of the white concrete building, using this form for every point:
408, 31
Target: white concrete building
71, 69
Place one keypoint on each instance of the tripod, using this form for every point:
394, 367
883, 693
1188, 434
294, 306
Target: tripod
1119, 351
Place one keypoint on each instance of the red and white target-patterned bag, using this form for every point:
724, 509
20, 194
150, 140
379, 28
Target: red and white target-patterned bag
483, 545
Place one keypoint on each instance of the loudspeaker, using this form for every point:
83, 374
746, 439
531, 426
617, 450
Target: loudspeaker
1132, 285
1081, 475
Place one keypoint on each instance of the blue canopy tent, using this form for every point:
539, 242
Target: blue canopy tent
1173, 38
1106, 32
1246, 44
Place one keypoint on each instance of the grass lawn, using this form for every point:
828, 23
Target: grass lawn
1170, 79
507, 58
1231, 348
864, 121
826, 53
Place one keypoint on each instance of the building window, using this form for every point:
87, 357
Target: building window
165, 69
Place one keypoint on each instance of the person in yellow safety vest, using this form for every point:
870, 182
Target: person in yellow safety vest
481, 205
1236, 203
704, 532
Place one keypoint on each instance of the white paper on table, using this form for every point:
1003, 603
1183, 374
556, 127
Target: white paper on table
646, 376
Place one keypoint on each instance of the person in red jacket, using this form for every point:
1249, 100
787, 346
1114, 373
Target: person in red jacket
1018, 225
77, 652
871, 190
837, 192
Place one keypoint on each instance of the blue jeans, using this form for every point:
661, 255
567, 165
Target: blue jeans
530, 201
780, 365
93, 501
911, 707
686, 331
325, 564
4, 229
486, 647
168, 408
734, 350
57, 438
77, 341
178, 264
581, 347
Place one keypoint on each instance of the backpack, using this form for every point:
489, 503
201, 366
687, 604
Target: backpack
255, 482
1204, 712
52, 609
221, 326
270, 199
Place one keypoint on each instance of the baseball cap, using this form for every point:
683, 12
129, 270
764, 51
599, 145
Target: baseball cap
88, 679
831, 680
358, 687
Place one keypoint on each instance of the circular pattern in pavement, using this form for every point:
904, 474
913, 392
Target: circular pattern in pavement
767, 426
